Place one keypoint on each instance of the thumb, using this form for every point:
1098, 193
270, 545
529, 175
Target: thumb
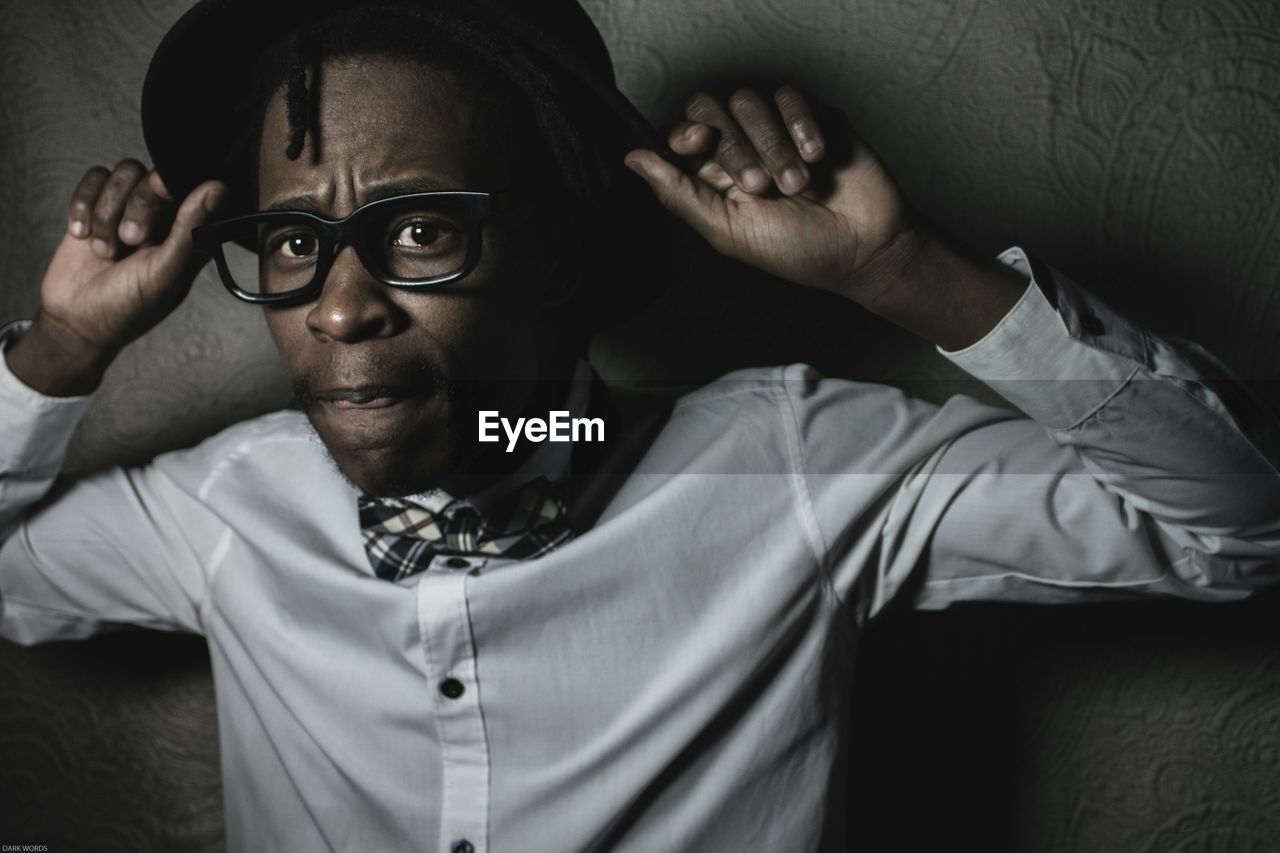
196, 209
692, 200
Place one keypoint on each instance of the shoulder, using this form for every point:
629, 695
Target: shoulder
271, 446
246, 437
829, 424
784, 387
780, 407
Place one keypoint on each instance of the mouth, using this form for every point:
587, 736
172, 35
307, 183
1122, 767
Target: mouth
370, 397
365, 397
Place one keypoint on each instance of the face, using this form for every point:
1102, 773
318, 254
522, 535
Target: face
391, 379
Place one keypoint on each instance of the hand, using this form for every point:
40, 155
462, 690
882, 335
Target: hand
773, 191
113, 277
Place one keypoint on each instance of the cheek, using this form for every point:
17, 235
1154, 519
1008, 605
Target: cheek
287, 328
501, 296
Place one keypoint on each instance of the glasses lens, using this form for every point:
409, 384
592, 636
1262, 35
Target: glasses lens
412, 239
287, 254
422, 239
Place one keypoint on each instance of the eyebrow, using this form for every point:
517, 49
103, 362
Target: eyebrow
310, 203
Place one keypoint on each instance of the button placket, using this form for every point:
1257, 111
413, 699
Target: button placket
444, 621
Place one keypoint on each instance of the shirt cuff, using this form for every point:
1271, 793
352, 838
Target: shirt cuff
36, 428
1057, 364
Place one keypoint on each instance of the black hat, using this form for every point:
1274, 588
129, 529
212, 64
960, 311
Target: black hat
196, 98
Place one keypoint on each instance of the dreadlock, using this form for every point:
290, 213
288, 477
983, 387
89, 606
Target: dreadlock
488, 59
605, 229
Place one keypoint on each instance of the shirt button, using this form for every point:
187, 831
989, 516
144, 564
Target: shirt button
462, 845
452, 688
1092, 325
457, 563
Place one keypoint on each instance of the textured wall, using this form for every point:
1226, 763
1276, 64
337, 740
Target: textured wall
1135, 145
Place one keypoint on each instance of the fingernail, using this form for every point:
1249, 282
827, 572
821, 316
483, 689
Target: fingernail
792, 179
691, 131
636, 166
754, 178
810, 147
130, 232
78, 228
100, 247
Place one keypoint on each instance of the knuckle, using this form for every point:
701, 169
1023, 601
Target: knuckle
94, 174
105, 213
90, 185
788, 97
668, 199
141, 203
131, 166
729, 147
742, 99
699, 104
771, 146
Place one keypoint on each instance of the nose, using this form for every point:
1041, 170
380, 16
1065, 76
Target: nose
353, 305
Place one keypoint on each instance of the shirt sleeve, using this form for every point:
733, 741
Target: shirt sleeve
1141, 466
125, 546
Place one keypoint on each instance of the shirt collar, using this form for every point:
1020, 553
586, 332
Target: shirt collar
550, 459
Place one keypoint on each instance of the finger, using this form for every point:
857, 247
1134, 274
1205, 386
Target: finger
83, 199
733, 151
801, 123
199, 207
158, 187
110, 205
759, 120
693, 201
145, 214
691, 138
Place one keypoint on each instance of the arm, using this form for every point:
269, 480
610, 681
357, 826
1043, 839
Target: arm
1137, 476
1146, 468
109, 548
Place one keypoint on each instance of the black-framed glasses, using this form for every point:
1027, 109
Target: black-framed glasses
418, 241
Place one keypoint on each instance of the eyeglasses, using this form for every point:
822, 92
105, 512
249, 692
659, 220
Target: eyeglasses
416, 241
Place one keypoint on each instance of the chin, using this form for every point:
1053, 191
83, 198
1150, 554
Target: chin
406, 449
388, 469
394, 473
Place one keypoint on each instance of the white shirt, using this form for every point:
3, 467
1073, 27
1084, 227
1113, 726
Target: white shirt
676, 677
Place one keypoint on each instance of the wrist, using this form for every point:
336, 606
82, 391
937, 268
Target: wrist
937, 288
879, 280
54, 360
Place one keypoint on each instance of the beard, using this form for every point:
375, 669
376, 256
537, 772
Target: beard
425, 456
413, 461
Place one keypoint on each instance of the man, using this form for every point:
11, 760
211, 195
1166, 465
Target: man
423, 641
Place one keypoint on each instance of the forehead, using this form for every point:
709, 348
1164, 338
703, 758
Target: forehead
375, 120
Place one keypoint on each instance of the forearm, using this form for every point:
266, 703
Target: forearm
935, 288
1158, 422
36, 430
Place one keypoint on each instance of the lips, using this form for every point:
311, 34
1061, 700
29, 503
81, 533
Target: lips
370, 397
373, 397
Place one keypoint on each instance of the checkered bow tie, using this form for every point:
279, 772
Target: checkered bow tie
401, 538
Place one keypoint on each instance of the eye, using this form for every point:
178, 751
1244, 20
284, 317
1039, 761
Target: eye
420, 234
294, 244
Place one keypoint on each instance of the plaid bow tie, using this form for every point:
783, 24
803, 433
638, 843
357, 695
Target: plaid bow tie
401, 538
